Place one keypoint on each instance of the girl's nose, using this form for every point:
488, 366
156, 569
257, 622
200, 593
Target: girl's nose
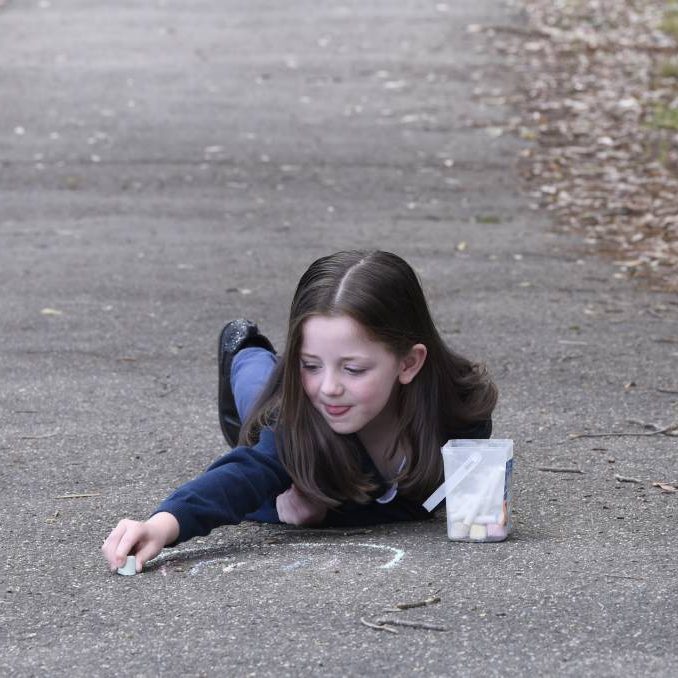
331, 384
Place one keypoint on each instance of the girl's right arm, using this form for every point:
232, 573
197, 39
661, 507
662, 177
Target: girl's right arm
235, 485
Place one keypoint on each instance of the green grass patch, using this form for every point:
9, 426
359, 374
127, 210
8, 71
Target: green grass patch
669, 23
487, 219
669, 69
665, 118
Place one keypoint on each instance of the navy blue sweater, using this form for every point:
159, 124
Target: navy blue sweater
244, 480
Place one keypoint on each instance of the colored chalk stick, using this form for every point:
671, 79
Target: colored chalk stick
498, 532
486, 519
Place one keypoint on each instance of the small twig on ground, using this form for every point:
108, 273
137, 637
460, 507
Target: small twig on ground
379, 627
46, 435
625, 576
413, 625
421, 603
666, 430
83, 495
667, 390
608, 574
557, 469
517, 30
648, 426
626, 479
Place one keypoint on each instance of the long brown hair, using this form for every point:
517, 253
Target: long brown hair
380, 291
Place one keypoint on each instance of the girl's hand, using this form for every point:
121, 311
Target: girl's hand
296, 508
143, 539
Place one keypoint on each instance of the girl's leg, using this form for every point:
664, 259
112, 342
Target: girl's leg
250, 370
236, 336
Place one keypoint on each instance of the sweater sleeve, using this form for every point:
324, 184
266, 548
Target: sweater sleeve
236, 484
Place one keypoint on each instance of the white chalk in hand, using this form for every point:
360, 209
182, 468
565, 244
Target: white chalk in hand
130, 567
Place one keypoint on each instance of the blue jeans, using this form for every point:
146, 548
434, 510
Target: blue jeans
250, 371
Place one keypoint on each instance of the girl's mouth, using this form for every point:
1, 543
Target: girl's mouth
336, 410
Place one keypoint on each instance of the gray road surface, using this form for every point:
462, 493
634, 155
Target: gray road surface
166, 166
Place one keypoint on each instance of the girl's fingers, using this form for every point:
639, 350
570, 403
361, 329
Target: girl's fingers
127, 542
292, 507
111, 543
130, 537
279, 508
144, 554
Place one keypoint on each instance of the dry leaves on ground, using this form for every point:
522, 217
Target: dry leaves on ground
600, 100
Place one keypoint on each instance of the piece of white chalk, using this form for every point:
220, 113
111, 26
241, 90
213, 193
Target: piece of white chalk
458, 531
478, 532
473, 508
130, 567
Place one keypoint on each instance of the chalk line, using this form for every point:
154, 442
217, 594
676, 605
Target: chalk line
166, 558
398, 555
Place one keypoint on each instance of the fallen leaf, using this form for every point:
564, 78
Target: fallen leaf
597, 100
667, 488
51, 311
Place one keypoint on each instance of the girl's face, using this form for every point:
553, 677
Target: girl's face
347, 376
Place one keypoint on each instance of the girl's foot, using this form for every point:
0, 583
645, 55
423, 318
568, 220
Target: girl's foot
235, 336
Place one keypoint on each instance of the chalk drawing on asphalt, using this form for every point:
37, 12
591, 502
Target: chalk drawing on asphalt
296, 560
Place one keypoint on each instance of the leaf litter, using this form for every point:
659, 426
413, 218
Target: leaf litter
598, 97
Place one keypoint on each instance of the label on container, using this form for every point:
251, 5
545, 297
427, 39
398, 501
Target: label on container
508, 493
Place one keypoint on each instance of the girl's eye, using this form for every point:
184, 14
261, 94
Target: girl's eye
309, 367
355, 370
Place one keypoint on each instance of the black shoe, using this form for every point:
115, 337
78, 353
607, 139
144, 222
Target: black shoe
235, 336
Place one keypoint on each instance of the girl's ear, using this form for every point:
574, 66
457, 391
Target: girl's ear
412, 363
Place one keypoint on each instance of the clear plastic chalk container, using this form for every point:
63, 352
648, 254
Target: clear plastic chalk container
477, 489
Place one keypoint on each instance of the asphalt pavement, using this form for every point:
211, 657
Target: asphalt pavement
167, 166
